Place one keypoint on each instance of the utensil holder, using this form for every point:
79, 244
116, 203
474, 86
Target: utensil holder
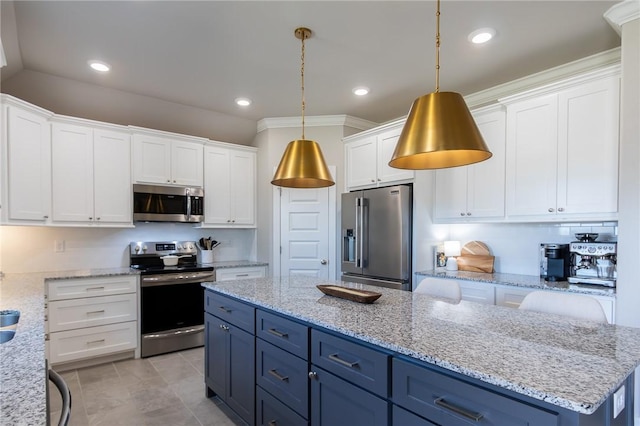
8, 324
206, 256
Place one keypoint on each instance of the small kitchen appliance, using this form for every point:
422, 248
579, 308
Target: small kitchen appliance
554, 261
171, 297
159, 203
593, 262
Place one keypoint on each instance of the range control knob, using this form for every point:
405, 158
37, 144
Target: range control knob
144, 248
136, 249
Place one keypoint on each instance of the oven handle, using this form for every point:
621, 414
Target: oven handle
173, 279
173, 333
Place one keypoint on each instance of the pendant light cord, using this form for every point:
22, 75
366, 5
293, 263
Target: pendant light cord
302, 81
438, 47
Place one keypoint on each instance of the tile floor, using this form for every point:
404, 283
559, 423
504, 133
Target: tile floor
162, 390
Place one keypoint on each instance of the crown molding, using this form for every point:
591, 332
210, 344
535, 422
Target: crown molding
543, 78
621, 13
316, 121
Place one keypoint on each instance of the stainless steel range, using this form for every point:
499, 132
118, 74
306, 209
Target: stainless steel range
171, 297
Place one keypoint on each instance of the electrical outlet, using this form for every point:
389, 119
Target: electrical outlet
58, 246
618, 401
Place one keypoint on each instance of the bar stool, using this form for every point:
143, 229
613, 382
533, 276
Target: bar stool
577, 306
439, 287
65, 414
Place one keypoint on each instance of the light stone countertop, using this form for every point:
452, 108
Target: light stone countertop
573, 364
516, 280
23, 373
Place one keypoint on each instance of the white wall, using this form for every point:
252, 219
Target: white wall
31, 248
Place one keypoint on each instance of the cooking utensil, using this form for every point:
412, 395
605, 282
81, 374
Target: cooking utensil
172, 259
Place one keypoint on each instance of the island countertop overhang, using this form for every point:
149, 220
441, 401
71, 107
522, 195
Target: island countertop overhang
568, 363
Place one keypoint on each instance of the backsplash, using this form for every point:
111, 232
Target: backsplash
516, 247
32, 248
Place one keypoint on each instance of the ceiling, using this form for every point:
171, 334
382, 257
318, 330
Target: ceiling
207, 53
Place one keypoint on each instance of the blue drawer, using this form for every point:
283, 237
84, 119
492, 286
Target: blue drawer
445, 400
285, 376
231, 310
284, 333
271, 412
402, 417
364, 366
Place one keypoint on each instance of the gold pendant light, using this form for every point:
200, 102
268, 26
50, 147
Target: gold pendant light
440, 131
302, 164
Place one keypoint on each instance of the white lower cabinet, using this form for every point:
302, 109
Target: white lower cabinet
477, 292
241, 273
511, 296
91, 317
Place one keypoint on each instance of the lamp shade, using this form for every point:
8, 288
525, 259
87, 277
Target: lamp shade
452, 248
439, 133
303, 166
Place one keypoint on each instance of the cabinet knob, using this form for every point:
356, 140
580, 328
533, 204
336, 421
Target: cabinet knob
45, 217
233, 221
90, 218
379, 179
168, 180
468, 213
228, 220
97, 218
373, 180
313, 375
174, 181
560, 209
323, 262
550, 210
461, 213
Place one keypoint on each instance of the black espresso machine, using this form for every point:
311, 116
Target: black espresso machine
555, 262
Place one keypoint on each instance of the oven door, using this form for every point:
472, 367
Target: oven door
172, 311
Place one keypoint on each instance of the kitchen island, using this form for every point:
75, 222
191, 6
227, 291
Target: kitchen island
555, 364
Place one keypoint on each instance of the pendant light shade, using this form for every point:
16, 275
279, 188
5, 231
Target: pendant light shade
439, 133
302, 164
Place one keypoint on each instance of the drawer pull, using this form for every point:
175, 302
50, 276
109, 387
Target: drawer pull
242, 275
278, 333
278, 376
224, 327
476, 417
95, 288
225, 310
336, 358
95, 341
272, 423
101, 311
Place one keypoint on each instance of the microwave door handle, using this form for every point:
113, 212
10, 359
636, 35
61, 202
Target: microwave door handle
188, 204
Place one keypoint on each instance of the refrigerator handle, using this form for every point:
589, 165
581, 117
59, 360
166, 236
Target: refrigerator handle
359, 230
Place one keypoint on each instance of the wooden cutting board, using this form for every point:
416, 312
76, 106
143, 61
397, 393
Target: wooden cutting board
475, 257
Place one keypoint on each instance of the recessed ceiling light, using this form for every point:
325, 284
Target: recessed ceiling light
482, 35
243, 101
99, 66
361, 91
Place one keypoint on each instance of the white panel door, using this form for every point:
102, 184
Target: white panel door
112, 176
361, 162
387, 142
186, 163
243, 187
151, 159
217, 207
451, 193
304, 216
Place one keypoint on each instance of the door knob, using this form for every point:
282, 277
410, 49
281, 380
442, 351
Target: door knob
323, 262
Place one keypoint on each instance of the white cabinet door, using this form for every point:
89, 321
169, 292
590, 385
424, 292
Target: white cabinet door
532, 141
112, 176
217, 187
478, 292
72, 172
361, 157
230, 187
240, 273
476, 191
588, 148
186, 163
242, 176
511, 296
29, 165
151, 159
387, 142
486, 180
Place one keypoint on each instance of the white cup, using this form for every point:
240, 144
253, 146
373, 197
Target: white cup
206, 256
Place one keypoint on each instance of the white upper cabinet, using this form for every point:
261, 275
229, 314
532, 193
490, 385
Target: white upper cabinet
562, 152
91, 175
230, 186
165, 160
475, 192
367, 158
26, 163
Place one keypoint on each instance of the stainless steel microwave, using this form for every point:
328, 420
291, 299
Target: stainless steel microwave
158, 203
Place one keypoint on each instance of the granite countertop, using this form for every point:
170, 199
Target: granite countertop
23, 374
573, 364
516, 280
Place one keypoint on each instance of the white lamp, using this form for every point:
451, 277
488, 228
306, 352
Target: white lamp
451, 250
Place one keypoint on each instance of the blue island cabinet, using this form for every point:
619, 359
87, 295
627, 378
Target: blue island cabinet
230, 354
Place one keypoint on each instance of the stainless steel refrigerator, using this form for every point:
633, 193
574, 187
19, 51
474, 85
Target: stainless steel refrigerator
376, 236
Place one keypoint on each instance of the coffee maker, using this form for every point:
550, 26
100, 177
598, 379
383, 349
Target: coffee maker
554, 261
593, 262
